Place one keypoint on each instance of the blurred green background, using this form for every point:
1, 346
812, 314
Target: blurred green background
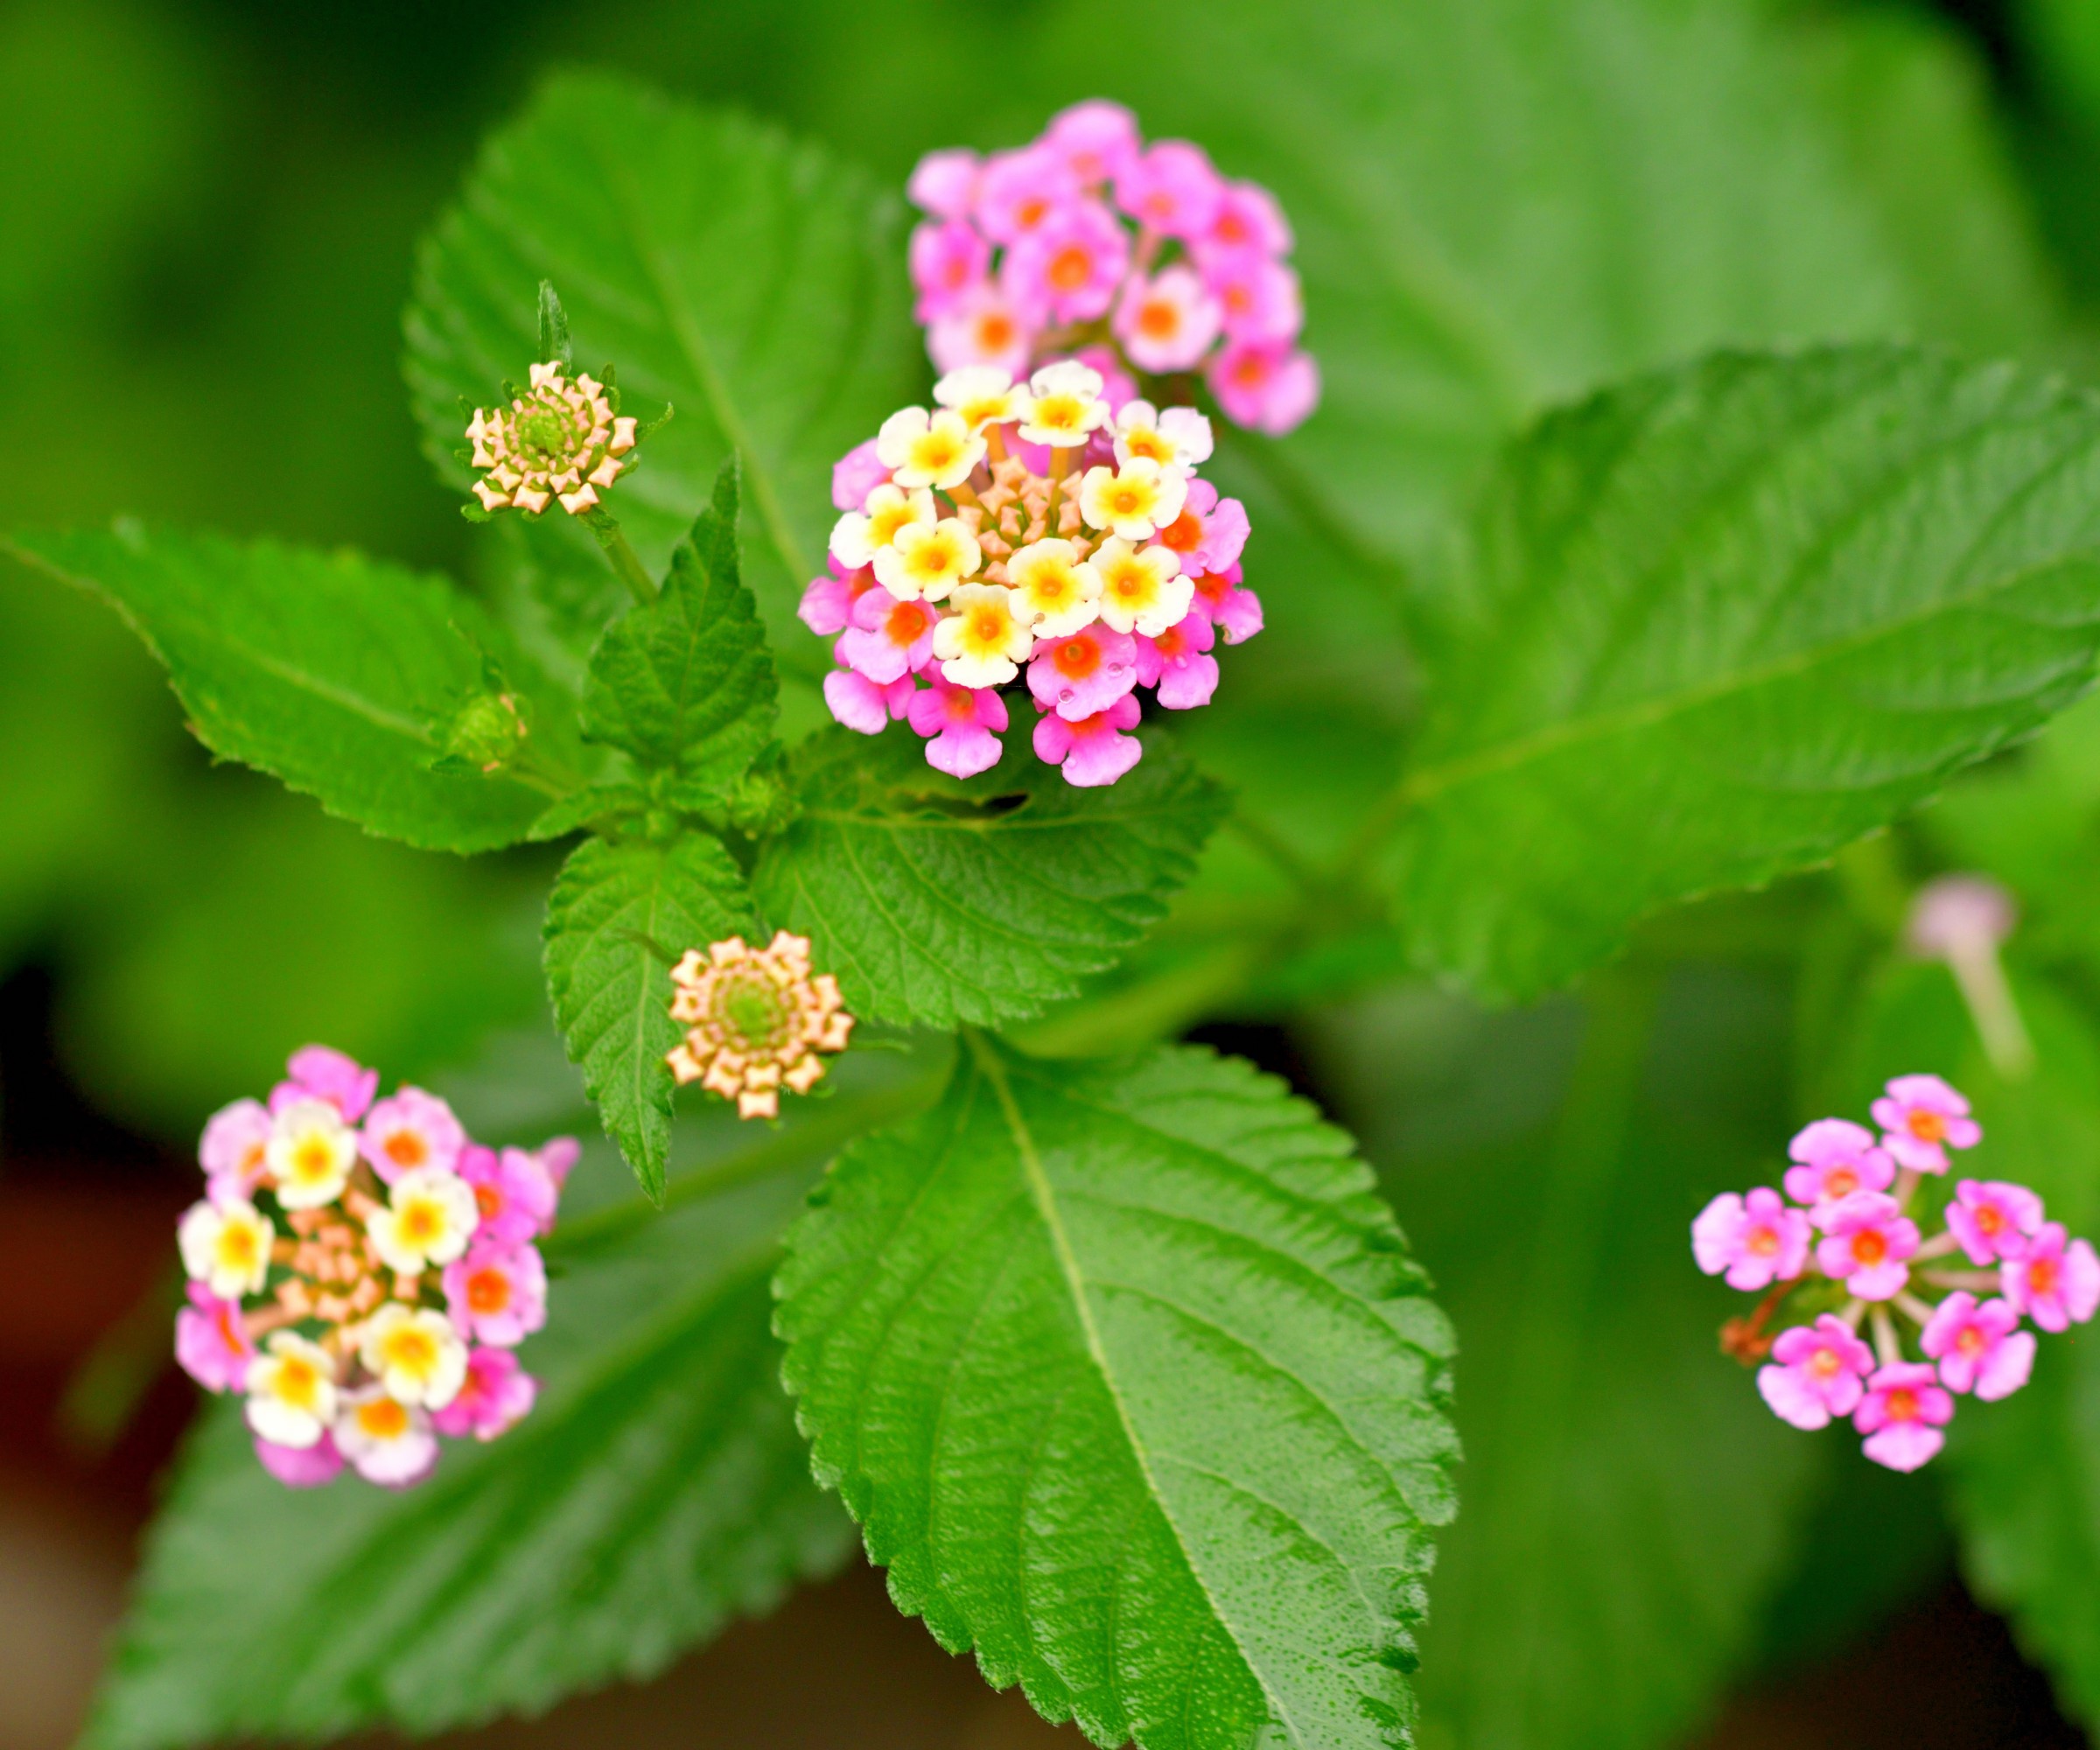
208, 210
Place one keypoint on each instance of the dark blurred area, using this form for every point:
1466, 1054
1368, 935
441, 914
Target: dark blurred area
209, 211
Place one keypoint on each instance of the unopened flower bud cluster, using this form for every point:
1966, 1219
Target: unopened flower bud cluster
1846, 1246
1051, 529
1089, 237
558, 443
362, 1272
756, 1020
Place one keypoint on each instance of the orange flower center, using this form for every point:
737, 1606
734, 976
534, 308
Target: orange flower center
1764, 1241
1927, 1127
1903, 1404
907, 621
382, 1419
1069, 268
489, 1202
1825, 1364
1869, 1247
1076, 658
406, 1148
995, 332
1183, 533
1030, 211
1971, 1341
1988, 1220
2042, 1277
1158, 320
1840, 1182
487, 1291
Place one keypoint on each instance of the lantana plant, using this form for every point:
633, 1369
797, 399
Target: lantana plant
1110, 1346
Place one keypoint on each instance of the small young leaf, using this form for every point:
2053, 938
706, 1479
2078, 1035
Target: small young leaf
618, 919
1720, 620
657, 1490
554, 332
1127, 1376
937, 902
334, 672
686, 682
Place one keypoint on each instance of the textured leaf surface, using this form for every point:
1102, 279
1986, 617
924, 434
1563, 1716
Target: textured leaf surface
686, 683
753, 284
937, 902
329, 670
618, 919
1128, 1378
658, 1489
1722, 619
1628, 1501
1503, 204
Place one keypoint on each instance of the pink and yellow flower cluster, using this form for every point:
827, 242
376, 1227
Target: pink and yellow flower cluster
363, 1272
1055, 529
1088, 237
1845, 1247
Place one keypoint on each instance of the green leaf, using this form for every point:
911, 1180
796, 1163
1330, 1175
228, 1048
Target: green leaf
685, 683
747, 279
1718, 621
658, 1490
936, 902
618, 919
1503, 204
1629, 1502
1129, 1380
331, 671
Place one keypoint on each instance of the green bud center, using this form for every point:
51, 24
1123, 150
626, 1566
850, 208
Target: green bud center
545, 432
753, 1009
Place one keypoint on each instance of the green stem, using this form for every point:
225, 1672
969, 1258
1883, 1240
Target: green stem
816, 1136
627, 564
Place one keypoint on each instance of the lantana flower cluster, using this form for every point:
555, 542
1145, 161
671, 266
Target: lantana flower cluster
1088, 237
756, 1020
1846, 1248
1056, 529
559, 442
362, 1272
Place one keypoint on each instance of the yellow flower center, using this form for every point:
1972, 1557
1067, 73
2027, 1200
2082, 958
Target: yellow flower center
313, 1160
298, 1382
411, 1350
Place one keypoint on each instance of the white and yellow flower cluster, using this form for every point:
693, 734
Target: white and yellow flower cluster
360, 1271
1017, 516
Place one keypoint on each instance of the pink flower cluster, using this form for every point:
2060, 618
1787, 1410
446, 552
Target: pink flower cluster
1088, 237
1055, 529
1848, 1249
362, 1272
